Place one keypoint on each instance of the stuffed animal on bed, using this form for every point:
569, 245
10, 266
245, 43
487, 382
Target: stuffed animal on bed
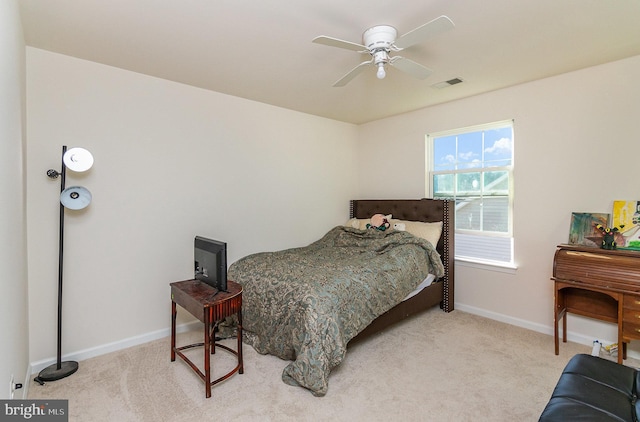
609, 236
379, 222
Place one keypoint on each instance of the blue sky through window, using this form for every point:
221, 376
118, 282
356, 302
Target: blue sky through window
474, 166
484, 148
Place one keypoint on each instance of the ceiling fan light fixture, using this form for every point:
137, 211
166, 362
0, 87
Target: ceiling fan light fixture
381, 36
381, 40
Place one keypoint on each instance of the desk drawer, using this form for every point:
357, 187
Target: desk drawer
631, 302
631, 330
631, 316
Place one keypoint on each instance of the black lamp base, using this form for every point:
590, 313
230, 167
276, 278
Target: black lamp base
53, 373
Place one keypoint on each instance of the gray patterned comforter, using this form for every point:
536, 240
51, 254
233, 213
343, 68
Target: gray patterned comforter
305, 304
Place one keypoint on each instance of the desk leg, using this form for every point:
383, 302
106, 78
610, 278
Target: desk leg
622, 346
240, 361
207, 354
558, 315
559, 312
173, 331
555, 333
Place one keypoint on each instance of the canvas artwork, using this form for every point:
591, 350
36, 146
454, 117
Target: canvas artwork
626, 216
583, 229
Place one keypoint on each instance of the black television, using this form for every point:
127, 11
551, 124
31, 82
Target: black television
210, 262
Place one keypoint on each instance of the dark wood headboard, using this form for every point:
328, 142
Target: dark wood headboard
426, 210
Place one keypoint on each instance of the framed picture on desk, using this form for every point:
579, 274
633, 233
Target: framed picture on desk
583, 229
626, 216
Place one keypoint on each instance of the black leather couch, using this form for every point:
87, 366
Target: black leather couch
594, 389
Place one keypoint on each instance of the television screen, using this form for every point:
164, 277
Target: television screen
210, 262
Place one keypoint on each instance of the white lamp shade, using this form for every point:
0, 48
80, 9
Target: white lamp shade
75, 197
78, 159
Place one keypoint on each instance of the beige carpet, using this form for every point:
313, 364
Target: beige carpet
434, 367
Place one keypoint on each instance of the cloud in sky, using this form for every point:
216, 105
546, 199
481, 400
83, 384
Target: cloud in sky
466, 156
502, 145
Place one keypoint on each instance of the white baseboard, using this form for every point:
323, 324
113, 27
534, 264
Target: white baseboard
36, 367
544, 329
81, 355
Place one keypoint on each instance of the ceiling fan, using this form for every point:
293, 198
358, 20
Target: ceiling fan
379, 41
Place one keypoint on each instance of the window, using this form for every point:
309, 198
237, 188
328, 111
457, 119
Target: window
474, 166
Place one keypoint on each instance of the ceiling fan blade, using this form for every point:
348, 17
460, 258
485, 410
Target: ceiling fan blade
424, 32
409, 66
352, 74
335, 42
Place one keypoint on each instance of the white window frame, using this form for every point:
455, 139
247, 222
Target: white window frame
463, 235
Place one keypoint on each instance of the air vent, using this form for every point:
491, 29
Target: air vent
446, 84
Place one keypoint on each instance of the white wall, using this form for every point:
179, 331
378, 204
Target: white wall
14, 328
171, 162
576, 149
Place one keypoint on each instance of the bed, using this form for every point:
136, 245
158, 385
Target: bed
307, 304
440, 293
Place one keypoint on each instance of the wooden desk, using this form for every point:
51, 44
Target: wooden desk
601, 284
209, 306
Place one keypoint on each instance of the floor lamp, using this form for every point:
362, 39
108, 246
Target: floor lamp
74, 198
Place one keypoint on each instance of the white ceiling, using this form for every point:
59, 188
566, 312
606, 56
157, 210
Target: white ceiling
262, 50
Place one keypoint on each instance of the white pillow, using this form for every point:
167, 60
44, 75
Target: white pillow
428, 231
358, 223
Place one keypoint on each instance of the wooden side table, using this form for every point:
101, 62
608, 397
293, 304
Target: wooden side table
210, 306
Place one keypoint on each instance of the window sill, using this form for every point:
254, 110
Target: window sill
502, 267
